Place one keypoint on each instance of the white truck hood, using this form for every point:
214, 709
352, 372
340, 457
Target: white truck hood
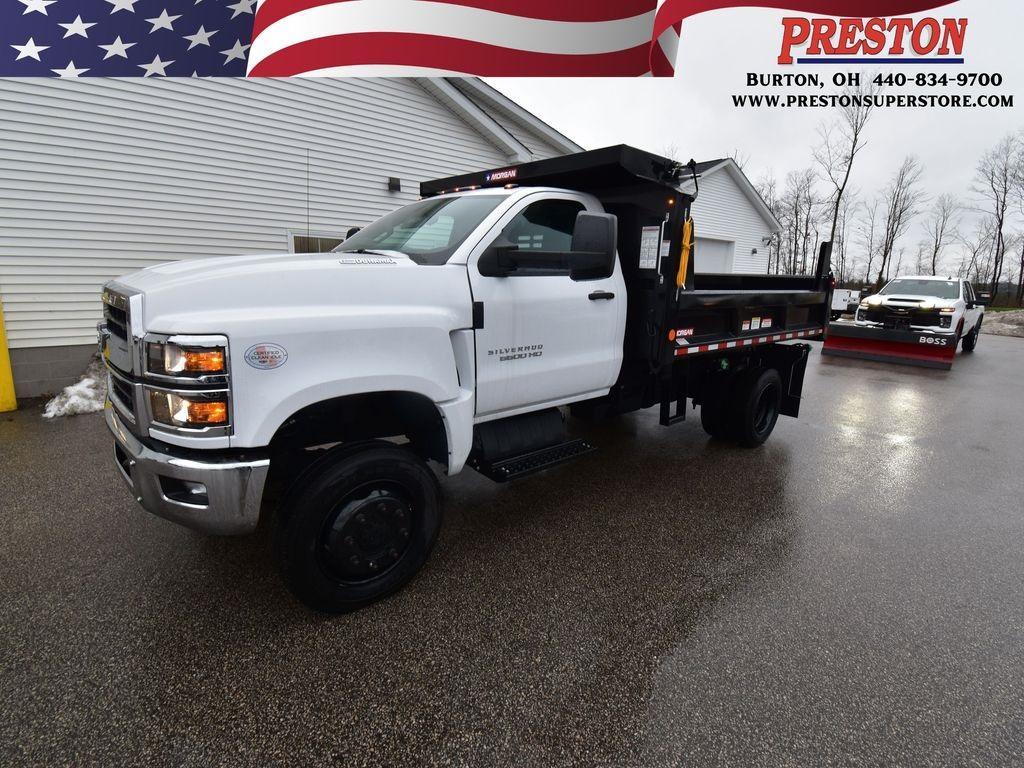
905, 299
215, 295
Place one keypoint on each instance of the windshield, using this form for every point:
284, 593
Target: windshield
943, 289
428, 232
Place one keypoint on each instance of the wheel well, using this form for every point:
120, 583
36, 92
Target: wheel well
366, 416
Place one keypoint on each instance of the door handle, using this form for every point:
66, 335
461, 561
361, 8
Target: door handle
601, 296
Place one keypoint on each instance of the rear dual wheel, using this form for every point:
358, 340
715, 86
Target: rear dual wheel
743, 407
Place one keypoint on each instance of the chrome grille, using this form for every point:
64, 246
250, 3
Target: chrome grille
123, 392
115, 313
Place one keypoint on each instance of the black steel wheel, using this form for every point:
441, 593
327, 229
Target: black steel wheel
757, 401
357, 526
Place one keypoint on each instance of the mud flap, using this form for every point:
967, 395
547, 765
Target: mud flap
926, 350
790, 360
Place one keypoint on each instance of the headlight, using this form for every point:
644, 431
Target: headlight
168, 359
874, 301
948, 310
176, 410
864, 304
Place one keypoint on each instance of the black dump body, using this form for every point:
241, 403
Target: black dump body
679, 324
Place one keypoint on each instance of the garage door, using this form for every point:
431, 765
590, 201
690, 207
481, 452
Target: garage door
714, 256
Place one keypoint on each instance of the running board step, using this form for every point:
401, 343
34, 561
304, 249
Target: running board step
515, 467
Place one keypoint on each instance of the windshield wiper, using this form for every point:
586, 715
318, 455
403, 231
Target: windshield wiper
363, 251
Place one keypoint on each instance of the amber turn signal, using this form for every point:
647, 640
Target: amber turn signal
211, 412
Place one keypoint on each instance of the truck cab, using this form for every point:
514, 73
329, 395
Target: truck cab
455, 330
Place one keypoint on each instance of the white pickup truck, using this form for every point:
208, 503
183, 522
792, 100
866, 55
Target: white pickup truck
451, 330
946, 309
912, 321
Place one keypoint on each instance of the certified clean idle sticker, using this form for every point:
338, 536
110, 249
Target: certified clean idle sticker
266, 356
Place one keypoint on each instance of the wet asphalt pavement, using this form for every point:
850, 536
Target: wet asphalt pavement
852, 593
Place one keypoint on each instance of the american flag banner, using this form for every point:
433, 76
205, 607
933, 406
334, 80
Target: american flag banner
125, 38
282, 38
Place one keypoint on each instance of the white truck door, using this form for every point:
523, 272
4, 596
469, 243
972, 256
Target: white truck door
971, 315
546, 339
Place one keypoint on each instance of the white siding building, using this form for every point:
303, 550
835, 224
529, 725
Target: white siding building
102, 177
734, 225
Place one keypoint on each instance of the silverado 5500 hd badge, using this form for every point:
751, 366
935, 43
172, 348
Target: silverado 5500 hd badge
505, 354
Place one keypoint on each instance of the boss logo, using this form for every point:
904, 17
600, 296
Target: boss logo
933, 341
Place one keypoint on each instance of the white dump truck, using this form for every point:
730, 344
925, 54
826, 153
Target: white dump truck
452, 332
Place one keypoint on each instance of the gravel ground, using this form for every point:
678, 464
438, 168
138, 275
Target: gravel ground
1004, 323
848, 594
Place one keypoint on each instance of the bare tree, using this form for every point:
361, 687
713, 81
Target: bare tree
1019, 191
997, 179
798, 207
905, 197
841, 142
1018, 243
767, 188
869, 236
943, 223
977, 248
740, 158
840, 243
899, 264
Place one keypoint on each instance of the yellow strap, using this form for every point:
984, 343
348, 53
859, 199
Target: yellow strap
7, 401
684, 257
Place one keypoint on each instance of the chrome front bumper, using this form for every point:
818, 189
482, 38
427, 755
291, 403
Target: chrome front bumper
217, 495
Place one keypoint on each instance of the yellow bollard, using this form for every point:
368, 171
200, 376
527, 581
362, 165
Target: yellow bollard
7, 400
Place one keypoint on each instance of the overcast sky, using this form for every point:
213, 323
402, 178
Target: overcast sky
694, 112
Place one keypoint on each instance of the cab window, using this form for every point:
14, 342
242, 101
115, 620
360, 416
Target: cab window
546, 225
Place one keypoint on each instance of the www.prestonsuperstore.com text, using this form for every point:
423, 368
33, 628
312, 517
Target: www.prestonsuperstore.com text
891, 90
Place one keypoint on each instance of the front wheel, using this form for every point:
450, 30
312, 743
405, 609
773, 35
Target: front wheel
357, 526
756, 403
970, 341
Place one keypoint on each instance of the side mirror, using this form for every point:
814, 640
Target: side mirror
352, 231
594, 240
497, 261
985, 299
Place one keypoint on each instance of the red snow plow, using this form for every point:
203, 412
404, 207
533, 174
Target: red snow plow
929, 350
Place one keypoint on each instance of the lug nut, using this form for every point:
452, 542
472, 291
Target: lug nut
354, 560
360, 518
373, 566
349, 541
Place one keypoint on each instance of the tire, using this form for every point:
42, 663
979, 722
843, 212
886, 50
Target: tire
714, 410
970, 341
357, 526
756, 402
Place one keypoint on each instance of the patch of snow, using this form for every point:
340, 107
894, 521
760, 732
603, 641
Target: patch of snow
87, 396
1004, 323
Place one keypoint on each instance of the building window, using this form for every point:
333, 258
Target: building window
315, 242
